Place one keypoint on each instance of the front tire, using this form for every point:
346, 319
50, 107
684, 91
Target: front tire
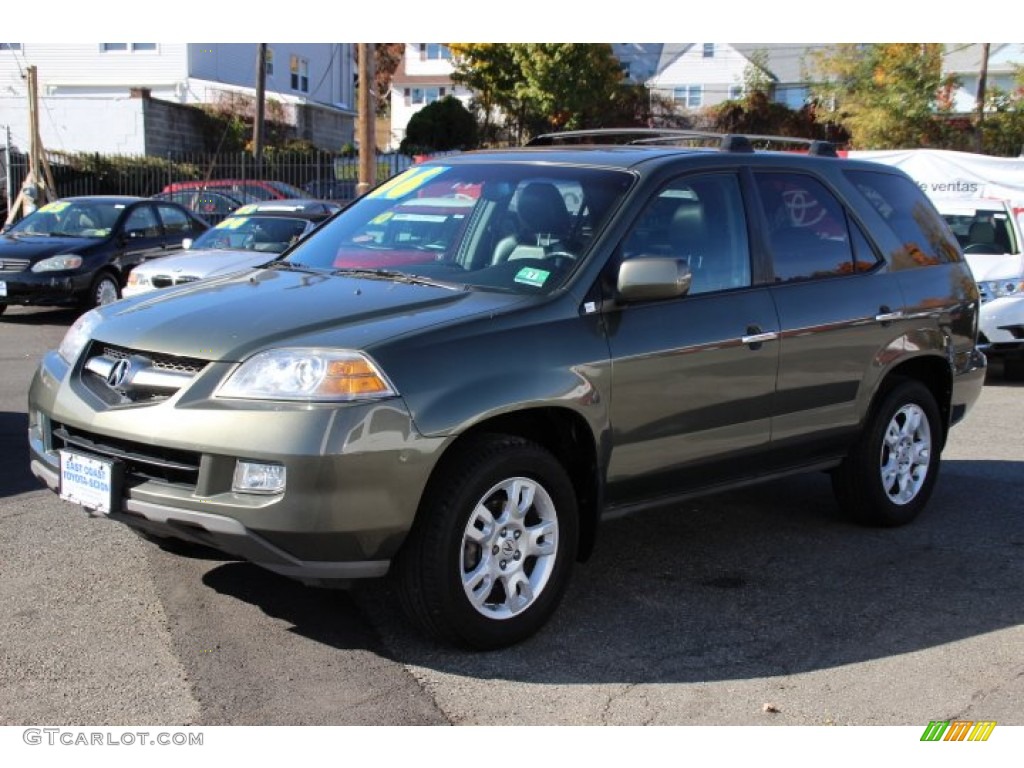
492, 549
888, 477
105, 289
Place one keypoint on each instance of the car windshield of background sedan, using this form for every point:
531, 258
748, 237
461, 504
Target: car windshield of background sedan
521, 228
270, 234
70, 219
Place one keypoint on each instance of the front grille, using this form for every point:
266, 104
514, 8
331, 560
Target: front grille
142, 461
119, 376
165, 362
166, 281
13, 265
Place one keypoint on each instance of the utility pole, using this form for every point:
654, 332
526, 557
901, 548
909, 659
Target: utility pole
982, 82
365, 133
38, 186
261, 100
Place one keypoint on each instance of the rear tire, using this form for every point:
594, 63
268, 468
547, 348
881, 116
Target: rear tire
888, 476
492, 549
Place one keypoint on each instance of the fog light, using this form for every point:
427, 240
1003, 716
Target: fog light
255, 477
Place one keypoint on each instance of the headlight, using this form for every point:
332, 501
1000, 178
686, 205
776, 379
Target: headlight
137, 280
307, 374
78, 336
58, 263
999, 288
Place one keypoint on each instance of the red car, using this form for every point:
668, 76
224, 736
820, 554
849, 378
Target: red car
250, 188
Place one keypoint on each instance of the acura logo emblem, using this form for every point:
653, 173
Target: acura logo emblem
119, 374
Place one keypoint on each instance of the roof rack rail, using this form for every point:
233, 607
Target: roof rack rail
727, 142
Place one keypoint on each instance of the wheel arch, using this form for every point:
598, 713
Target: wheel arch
934, 373
567, 435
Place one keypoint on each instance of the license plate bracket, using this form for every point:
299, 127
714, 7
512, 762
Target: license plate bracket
91, 482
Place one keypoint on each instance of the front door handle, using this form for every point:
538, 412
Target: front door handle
886, 315
756, 337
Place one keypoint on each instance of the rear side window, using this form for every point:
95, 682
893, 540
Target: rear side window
808, 230
925, 239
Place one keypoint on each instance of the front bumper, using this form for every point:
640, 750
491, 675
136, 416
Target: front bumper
45, 289
354, 472
1002, 326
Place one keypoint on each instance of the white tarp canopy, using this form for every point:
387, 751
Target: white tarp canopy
944, 174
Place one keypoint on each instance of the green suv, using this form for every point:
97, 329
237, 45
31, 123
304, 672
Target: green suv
456, 378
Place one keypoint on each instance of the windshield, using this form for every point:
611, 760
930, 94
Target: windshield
68, 218
982, 231
512, 227
270, 234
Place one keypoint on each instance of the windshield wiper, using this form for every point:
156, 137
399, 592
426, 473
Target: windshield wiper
398, 277
291, 266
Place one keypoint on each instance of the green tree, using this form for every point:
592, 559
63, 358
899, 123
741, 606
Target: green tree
887, 95
439, 127
537, 87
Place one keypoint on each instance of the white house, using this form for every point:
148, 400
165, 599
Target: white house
108, 97
696, 75
423, 77
964, 61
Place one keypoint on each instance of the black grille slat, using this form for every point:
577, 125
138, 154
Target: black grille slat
142, 461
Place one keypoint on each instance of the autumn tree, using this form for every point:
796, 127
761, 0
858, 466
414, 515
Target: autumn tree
888, 95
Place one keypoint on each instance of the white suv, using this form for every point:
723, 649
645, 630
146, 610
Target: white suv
990, 235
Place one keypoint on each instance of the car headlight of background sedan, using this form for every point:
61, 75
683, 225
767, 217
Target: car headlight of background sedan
78, 336
61, 263
308, 374
137, 280
1000, 288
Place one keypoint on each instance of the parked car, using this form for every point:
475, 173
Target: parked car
994, 247
253, 235
79, 250
331, 189
606, 329
252, 189
212, 207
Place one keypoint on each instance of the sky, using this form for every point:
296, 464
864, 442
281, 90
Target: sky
518, 21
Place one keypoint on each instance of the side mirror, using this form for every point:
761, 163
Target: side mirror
650, 278
186, 243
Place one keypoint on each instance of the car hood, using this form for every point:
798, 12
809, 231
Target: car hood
36, 247
230, 318
995, 266
214, 261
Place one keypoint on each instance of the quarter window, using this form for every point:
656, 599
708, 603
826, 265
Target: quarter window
700, 220
807, 229
925, 239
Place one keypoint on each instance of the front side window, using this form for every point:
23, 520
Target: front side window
925, 238
807, 228
517, 228
175, 220
700, 220
142, 222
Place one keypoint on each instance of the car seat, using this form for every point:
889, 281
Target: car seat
543, 220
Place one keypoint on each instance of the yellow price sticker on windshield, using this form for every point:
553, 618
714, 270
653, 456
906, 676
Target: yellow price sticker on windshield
407, 182
232, 223
54, 207
382, 218
245, 209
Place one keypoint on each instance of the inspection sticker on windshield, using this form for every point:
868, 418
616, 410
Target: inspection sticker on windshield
531, 276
